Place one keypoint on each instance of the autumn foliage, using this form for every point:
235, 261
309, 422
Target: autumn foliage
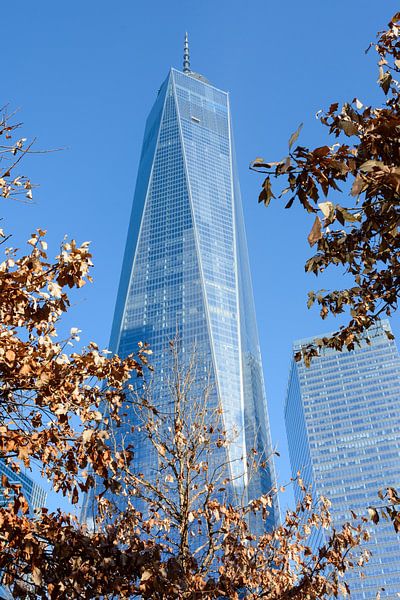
359, 234
44, 390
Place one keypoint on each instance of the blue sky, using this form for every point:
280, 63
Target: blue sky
84, 75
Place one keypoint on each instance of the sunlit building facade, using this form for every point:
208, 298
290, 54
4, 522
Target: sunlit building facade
34, 493
186, 273
343, 426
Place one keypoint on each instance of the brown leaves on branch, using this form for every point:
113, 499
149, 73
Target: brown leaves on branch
55, 558
363, 236
390, 511
42, 386
266, 194
51, 406
11, 152
316, 232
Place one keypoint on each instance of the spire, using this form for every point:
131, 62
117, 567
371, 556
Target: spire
186, 61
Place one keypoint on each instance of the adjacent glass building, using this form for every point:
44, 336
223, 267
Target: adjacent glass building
343, 426
186, 273
34, 493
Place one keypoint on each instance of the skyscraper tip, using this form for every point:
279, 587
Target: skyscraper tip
186, 60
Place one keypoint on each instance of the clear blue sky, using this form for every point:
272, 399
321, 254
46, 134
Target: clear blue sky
85, 74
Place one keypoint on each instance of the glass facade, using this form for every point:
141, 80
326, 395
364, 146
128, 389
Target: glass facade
186, 274
343, 426
34, 494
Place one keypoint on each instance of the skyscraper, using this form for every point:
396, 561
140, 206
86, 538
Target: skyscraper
185, 271
33, 493
343, 426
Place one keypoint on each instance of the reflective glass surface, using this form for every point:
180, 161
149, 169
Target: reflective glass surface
343, 425
186, 272
34, 494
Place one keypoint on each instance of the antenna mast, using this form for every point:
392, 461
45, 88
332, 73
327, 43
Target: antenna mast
186, 61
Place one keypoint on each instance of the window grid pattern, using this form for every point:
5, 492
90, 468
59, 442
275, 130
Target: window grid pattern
181, 274
34, 494
343, 424
206, 145
165, 296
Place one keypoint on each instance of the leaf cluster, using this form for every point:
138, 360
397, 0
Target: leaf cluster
12, 186
360, 236
52, 403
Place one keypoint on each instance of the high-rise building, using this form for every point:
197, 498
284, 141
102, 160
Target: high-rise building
34, 493
186, 273
343, 426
